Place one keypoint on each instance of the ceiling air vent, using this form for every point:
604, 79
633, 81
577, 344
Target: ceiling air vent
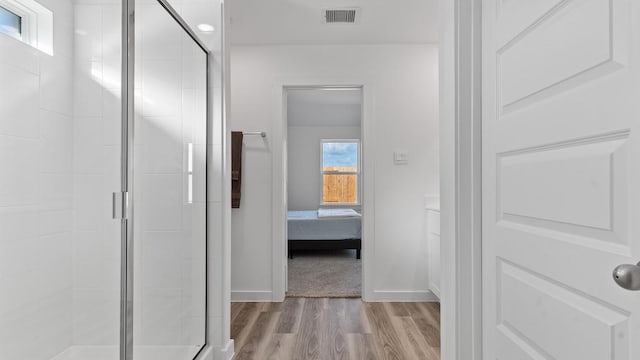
341, 16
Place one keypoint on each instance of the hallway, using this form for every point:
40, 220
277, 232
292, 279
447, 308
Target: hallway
332, 329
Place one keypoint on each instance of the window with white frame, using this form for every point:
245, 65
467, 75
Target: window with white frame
29, 22
340, 172
10, 23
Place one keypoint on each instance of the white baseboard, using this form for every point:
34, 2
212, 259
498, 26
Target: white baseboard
251, 296
403, 296
376, 296
228, 351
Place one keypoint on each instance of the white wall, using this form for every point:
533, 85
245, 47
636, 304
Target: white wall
307, 113
403, 80
304, 161
36, 199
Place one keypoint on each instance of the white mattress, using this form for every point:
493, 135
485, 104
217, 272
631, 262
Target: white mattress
307, 225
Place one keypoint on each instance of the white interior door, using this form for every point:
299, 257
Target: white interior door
561, 173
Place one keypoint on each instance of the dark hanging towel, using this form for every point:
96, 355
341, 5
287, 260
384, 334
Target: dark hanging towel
236, 168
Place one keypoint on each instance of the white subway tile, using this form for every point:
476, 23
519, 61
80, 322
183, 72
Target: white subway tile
161, 88
88, 149
55, 221
163, 151
96, 317
55, 323
112, 117
17, 335
55, 263
18, 108
161, 317
56, 89
17, 54
56, 131
18, 222
88, 202
63, 38
161, 259
88, 88
88, 32
157, 42
18, 257
55, 191
194, 65
194, 230
111, 44
19, 175
161, 206
193, 330
194, 116
87, 247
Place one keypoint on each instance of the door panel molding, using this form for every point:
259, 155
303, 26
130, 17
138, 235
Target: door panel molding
591, 166
572, 44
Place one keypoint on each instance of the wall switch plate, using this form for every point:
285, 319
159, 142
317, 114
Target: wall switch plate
401, 157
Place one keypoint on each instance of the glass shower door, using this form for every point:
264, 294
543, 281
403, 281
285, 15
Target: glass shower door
169, 177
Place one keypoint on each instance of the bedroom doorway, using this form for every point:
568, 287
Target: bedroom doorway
324, 191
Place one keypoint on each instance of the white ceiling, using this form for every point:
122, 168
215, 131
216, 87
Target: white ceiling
324, 107
286, 22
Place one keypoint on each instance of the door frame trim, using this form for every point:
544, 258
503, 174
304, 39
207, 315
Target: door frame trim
279, 180
461, 185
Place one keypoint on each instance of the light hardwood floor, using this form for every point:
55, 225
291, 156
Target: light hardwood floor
335, 329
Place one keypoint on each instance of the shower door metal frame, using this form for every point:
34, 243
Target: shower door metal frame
127, 172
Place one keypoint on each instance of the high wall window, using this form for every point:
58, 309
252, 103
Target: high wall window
340, 172
10, 23
29, 22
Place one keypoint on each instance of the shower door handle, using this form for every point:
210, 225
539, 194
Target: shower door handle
120, 204
627, 276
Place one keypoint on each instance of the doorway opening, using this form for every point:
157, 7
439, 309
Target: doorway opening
398, 76
324, 197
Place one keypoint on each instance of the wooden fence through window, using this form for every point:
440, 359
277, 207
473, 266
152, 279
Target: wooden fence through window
339, 188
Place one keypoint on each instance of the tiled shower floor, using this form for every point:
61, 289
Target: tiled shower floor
140, 353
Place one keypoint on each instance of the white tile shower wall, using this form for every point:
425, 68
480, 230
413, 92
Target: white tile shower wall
59, 154
36, 145
96, 163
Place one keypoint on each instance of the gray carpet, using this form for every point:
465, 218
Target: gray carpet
325, 274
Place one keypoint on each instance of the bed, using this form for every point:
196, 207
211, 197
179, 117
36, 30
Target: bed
324, 229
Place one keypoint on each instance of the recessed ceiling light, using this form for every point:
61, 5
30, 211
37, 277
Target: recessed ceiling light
206, 28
